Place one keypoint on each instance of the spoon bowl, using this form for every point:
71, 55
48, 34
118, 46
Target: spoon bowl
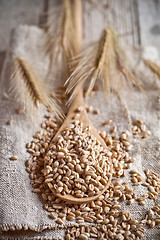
77, 111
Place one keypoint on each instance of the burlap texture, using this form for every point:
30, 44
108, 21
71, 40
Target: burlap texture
20, 208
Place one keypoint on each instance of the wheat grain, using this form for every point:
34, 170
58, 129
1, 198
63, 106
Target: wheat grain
13, 158
107, 209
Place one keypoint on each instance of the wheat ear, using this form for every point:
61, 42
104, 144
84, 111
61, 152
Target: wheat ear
95, 63
103, 60
29, 89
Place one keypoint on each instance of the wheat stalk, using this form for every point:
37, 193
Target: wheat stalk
29, 89
153, 66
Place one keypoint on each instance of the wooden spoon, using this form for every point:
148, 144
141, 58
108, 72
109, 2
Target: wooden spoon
83, 117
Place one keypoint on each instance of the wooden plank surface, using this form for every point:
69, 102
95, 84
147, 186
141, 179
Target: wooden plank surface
136, 21
149, 22
121, 15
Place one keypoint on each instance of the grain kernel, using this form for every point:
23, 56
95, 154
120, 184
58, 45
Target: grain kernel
59, 221
157, 221
54, 215
80, 108
13, 158
9, 122
82, 237
68, 237
107, 122
96, 111
150, 214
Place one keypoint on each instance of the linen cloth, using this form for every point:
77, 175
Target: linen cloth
22, 215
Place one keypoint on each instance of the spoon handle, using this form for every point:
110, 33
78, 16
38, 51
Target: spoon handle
77, 102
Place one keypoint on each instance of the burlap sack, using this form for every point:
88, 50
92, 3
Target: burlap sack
22, 215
